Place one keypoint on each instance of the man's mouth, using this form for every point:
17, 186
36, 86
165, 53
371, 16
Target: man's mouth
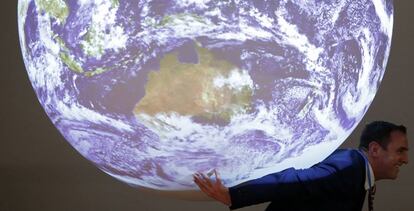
397, 167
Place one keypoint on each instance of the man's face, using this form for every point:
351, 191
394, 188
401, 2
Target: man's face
391, 158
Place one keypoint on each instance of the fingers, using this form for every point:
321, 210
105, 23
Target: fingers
207, 184
201, 180
218, 180
206, 179
203, 184
215, 190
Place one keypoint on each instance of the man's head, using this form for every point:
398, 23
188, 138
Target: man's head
386, 145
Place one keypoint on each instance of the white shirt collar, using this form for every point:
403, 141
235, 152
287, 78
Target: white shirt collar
372, 177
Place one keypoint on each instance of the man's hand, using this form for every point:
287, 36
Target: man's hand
215, 190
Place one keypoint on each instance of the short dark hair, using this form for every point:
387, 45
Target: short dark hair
379, 131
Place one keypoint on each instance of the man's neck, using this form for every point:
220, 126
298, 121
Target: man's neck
371, 162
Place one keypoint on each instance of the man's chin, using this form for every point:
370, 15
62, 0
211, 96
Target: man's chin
394, 176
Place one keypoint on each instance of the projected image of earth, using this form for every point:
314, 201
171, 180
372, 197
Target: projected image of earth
153, 91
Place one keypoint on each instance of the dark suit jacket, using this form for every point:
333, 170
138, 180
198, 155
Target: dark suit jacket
337, 183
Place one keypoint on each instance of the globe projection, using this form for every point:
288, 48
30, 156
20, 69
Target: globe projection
154, 91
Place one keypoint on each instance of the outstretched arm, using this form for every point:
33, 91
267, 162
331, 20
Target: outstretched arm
337, 175
214, 189
342, 174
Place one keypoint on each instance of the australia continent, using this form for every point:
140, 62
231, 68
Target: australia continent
211, 88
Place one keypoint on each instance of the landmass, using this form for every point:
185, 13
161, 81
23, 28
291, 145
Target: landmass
212, 88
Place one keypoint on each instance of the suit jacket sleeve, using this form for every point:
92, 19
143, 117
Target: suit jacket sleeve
338, 175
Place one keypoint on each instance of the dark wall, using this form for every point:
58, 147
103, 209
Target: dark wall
39, 170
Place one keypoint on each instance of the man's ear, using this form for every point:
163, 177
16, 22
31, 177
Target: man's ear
374, 149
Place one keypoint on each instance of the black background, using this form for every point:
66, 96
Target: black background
39, 170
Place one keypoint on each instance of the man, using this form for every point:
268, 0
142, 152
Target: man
340, 182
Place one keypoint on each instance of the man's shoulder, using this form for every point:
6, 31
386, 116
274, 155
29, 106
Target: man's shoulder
347, 153
346, 157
